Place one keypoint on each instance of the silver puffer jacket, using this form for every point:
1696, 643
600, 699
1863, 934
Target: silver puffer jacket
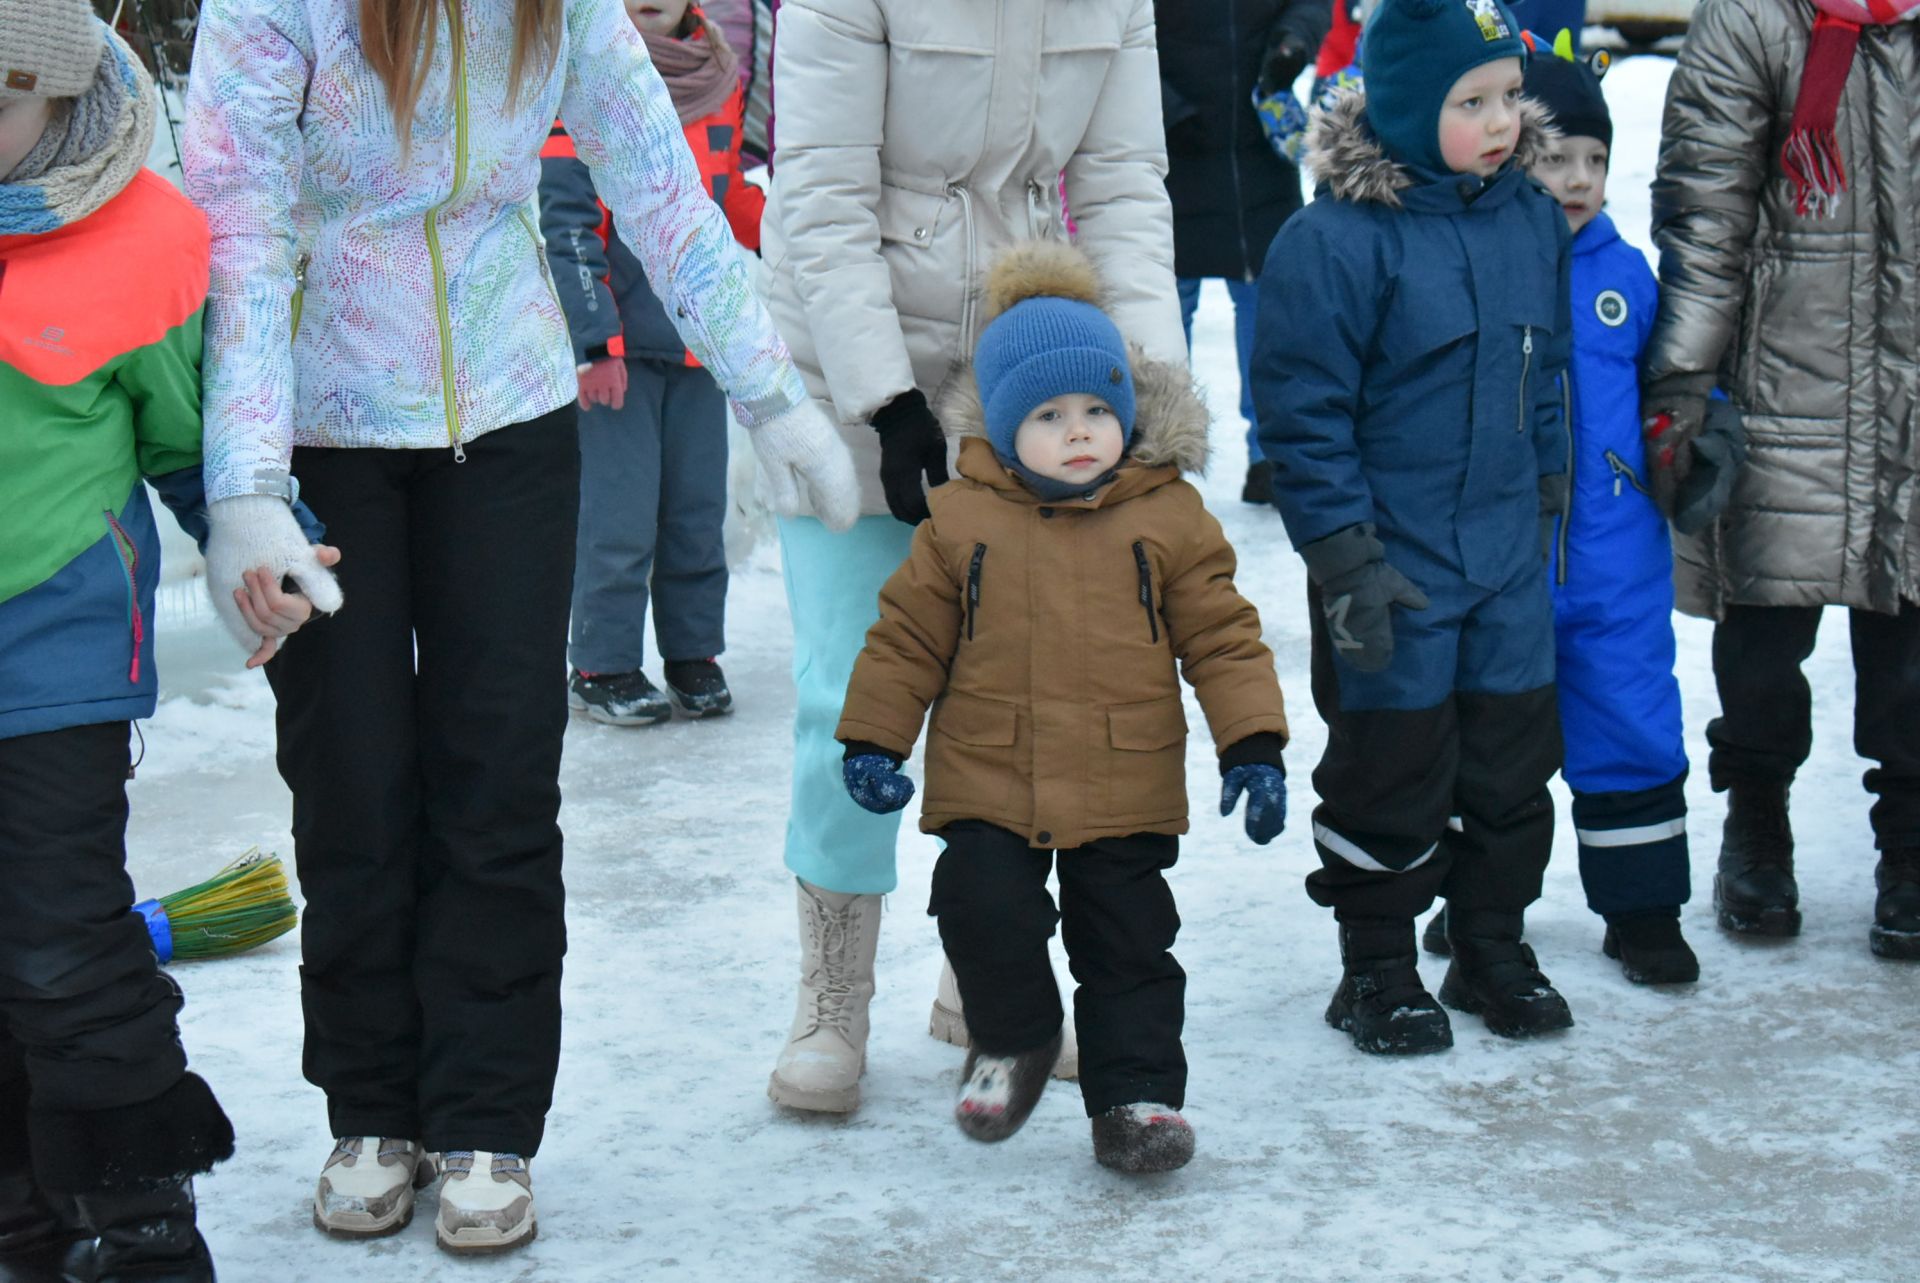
1812, 326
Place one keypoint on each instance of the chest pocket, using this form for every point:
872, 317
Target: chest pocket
1422, 324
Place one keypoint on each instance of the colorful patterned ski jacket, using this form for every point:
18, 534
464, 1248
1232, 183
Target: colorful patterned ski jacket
99, 374
363, 295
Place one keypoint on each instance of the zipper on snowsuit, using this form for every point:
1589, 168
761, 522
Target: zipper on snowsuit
130, 563
1622, 470
973, 585
1566, 518
1146, 587
1526, 368
441, 306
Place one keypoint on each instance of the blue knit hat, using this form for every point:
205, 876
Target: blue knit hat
1049, 338
1412, 52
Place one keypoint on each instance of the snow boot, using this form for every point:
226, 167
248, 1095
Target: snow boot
1142, 1137
1650, 948
146, 1234
1754, 892
1259, 485
998, 1092
1381, 1003
618, 699
1494, 976
1896, 910
698, 688
826, 1049
948, 1023
486, 1203
1434, 938
42, 1239
366, 1187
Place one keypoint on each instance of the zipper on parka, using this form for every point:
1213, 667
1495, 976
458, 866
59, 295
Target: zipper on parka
1623, 471
1526, 368
973, 585
441, 307
1145, 570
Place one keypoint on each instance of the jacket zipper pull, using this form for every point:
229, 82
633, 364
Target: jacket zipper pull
459, 452
973, 586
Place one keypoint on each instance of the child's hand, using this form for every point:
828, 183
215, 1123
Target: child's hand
1266, 790
270, 611
873, 778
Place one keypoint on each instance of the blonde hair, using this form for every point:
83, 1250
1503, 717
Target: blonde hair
398, 39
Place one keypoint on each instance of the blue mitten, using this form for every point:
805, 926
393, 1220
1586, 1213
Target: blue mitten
1266, 790
874, 780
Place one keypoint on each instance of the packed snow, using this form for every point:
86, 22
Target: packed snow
1760, 1126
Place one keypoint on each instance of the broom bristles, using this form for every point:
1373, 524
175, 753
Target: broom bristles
241, 907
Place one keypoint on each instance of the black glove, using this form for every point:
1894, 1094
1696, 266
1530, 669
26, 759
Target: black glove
1282, 66
1358, 591
1718, 451
911, 445
1672, 412
1555, 494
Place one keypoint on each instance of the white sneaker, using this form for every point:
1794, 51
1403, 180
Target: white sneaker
948, 1023
366, 1188
826, 1051
486, 1202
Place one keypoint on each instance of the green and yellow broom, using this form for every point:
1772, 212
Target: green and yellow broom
239, 908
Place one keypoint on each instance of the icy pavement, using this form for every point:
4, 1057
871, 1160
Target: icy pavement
1759, 1127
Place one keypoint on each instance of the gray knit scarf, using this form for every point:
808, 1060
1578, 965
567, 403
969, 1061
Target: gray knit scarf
91, 149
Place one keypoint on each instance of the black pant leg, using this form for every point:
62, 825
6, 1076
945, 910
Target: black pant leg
344, 686
995, 916
493, 552
1119, 922
1765, 728
1509, 749
1886, 719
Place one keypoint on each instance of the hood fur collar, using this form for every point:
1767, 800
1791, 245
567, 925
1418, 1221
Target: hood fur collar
1343, 153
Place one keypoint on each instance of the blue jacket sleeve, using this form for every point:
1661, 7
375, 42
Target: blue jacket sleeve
570, 218
1552, 433
1321, 299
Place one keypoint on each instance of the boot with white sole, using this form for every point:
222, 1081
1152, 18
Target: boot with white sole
826, 1050
486, 1203
948, 1023
366, 1188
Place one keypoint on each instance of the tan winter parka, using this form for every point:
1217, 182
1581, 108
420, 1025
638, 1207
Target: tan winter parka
1812, 325
914, 139
1045, 637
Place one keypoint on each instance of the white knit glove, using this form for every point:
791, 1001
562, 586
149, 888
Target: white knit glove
802, 448
251, 531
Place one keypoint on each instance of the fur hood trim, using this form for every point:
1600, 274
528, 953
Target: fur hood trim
1343, 153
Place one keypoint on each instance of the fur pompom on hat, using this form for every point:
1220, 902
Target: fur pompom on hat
48, 48
1047, 336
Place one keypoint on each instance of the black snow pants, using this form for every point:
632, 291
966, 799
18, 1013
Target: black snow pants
420, 731
1765, 728
1118, 919
94, 1089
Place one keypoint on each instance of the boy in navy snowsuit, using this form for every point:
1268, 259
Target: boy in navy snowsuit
1413, 330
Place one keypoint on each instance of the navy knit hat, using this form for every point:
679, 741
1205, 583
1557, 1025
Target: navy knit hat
1411, 53
1049, 338
1570, 89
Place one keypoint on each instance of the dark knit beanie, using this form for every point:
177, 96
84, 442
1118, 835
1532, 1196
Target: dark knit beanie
1570, 89
1411, 53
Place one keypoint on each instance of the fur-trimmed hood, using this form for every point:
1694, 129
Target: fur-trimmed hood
1344, 155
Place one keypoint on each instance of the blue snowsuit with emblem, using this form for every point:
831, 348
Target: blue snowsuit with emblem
1613, 603
1414, 329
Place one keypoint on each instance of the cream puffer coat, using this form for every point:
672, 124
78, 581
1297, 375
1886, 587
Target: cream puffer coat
1812, 325
912, 141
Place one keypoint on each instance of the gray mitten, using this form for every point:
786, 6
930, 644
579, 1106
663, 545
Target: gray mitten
1718, 452
1358, 591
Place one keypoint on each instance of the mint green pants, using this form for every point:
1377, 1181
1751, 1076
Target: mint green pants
833, 588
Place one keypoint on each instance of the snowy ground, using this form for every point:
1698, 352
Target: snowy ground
1759, 1127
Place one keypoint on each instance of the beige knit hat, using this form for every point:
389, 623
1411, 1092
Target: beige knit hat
48, 48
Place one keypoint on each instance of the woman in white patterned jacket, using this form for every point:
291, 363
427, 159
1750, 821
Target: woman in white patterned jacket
381, 325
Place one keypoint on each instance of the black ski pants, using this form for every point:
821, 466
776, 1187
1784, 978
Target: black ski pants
420, 731
1118, 918
1765, 728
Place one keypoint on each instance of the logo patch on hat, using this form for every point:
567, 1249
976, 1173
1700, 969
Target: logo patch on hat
24, 81
1486, 15
1611, 308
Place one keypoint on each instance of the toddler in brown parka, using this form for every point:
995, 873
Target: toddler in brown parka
1040, 614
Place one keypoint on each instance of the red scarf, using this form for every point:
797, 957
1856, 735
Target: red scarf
1811, 156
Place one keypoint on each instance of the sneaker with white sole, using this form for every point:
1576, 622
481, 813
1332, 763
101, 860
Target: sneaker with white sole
366, 1188
486, 1202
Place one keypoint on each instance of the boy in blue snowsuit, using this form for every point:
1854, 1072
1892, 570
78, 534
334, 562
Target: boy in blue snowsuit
1413, 330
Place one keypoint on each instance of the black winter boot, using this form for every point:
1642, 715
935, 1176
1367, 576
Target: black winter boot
1496, 977
41, 1237
1650, 948
698, 688
1434, 938
1896, 910
147, 1235
1259, 486
1142, 1137
1381, 1003
1754, 893
998, 1092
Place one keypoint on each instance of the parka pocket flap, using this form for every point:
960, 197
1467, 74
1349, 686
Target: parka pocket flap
972, 720
1149, 725
908, 217
1413, 330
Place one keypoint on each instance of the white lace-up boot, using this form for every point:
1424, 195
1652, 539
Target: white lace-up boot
486, 1202
826, 1049
366, 1188
948, 1023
